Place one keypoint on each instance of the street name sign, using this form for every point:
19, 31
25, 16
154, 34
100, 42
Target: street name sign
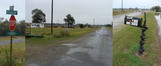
12, 33
11, 11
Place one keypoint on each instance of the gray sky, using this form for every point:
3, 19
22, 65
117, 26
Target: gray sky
19, 5
82, 10
136, 3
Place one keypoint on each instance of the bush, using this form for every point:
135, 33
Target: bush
64, 32
89, 26
81, 26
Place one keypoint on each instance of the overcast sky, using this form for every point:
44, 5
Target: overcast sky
82, 10
136, 3
19, 5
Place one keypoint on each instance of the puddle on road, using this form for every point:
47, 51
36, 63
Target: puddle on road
33, 64
158, 18
69, 45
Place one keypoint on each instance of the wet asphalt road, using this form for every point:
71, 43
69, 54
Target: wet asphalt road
6, 42
95, 49
118, 20
158, 18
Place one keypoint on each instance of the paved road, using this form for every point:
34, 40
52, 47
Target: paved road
94, 49
5, 42
118, 20
158, 18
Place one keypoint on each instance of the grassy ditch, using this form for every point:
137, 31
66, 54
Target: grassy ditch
126, 44
2, 38
119, 12
58, 36
18, 55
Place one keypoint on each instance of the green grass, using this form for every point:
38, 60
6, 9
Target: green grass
56, 38
18, 54
2, 38
119, 12
126, 44
109, 28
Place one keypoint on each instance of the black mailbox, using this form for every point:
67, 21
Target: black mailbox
134, 21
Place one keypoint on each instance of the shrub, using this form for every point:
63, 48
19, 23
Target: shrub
64, 32
81, 26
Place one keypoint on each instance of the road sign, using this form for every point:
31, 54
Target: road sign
12, 33
12, 23
11, 12
134, 21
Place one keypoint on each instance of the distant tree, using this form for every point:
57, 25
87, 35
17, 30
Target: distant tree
156, 8
131, 8
81, 26
6, 21
38, 16
89, 26
136, 8
109, 25
69, 20
1, 19
21, 27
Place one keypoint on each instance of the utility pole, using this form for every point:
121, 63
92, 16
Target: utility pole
58, 21
122, 5
52, 17
94, 22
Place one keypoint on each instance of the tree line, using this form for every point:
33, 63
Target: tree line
4, 27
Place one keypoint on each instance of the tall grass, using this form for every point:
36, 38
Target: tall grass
59, 34
18, 55
118, 12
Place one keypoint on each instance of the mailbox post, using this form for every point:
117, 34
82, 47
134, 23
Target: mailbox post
142, 41
135, 21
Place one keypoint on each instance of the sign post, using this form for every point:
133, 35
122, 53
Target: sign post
142, 41
135, 21
12, 25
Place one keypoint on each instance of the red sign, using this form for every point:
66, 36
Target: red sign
12, 23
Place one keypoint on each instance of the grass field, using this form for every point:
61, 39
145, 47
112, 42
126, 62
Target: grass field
54, 39
126, 44
118, 12
2, 38
18, 54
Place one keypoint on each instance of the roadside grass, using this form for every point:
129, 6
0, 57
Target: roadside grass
109, 28
18, 54
2, 38
126, 44
56, 37
119, 12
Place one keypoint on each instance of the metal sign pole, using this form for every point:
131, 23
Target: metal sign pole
142, 41
12, 27
11, 52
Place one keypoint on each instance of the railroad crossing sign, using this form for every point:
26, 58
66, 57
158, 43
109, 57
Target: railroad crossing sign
11, 11
12, 23
134, 21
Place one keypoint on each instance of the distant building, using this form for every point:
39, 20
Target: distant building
35, 25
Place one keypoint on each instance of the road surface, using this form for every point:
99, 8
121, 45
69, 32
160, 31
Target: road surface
94, 49
6, 42
158, 18
118, 20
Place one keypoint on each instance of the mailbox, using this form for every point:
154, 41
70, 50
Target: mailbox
134, 21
